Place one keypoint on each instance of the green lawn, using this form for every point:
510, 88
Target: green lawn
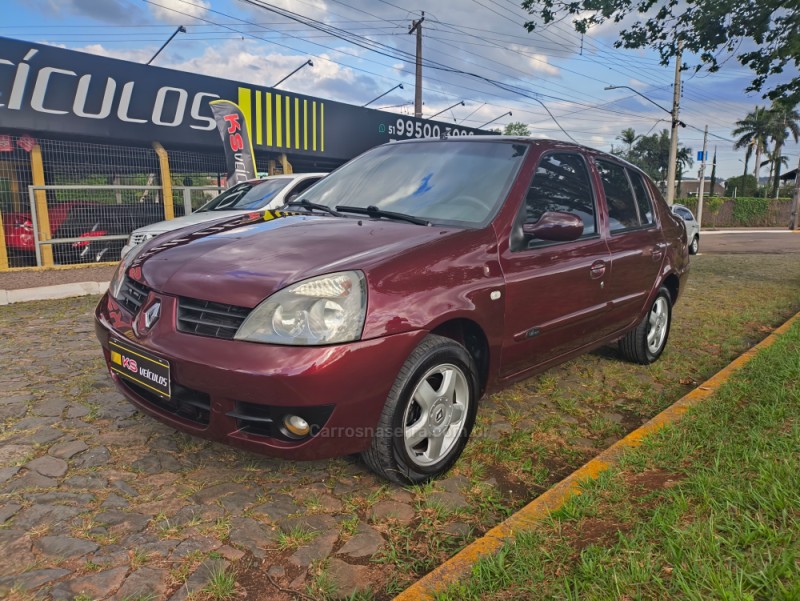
708, 508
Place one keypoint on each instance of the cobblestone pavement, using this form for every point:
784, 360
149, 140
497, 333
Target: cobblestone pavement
98, 501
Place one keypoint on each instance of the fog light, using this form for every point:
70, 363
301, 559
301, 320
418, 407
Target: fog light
296, 425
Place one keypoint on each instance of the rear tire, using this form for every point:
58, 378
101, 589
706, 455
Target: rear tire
694, 246
429, 414
645, 343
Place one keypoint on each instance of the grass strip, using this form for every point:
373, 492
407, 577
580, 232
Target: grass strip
708, 508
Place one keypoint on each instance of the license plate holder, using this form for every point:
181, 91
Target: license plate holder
140, 367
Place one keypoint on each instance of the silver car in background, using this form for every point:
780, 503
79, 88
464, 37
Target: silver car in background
692, 227
259, 194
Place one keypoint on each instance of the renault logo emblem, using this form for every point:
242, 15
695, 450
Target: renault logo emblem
152, 314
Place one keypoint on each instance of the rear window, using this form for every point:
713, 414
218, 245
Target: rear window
246, 196
623, 210
643, 201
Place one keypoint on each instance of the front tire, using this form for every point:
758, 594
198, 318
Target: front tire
645, 343
429, 414
694, 246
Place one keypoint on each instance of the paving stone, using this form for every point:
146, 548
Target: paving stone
144, 583
50, 407
400, 495
454, 484
31, 423
17, 551
12, 411
77, 411
125, 488
11, 454
276, 571
450, 501
114, 501
459, 529
347, 579
122, 521
199, 578
31, 580
48, 466
7, 473
68, 449
230, 553
309, 523
42, 436
391, 510
95, 586
280, 507
200, 544
364, 543
29, 480
204, 513
65, 547
214, 493
60, 498
8, 510
86, 482
252, 536
39, 515
320, 548
237, 502
93, 457
15, 399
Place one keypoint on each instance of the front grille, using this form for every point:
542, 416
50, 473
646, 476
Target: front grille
133, 295
205, 318
185, 402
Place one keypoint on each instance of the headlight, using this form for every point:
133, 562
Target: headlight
326, 309
115, 286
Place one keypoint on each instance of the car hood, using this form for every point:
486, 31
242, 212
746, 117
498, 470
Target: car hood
161, 227
243, 260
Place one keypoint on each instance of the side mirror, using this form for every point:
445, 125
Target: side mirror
555, 226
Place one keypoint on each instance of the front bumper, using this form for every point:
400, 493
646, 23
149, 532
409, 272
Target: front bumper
348, 383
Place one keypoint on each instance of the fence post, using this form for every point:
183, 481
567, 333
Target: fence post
166, 181
286, 165
42, 214
187, 201
3, 251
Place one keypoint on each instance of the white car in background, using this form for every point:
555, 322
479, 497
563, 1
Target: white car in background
692, 227
254, 195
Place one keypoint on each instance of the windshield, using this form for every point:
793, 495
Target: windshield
246, 196
448, 182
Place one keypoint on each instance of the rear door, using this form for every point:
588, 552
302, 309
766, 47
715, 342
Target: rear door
635, 240
554, 291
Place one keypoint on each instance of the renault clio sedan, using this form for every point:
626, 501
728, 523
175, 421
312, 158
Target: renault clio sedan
268, 193
372, 314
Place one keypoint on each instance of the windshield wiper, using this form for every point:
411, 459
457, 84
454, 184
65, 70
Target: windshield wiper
373, 211
313, 205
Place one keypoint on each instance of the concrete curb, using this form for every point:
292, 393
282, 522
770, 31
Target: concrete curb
460, 565
23, 295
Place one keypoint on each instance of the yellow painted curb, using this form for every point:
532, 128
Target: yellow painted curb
460, 565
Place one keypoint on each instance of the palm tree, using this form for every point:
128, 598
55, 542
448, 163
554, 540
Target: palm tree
683, 160
628, 136
754, 129
784, 124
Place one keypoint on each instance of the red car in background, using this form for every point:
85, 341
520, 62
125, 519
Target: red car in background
373, 315
18, 230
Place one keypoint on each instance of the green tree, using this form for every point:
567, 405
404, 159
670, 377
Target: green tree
754, 130
713, 173
651, 155
741, 185
516, 128
711, 29
784, 122
628, 136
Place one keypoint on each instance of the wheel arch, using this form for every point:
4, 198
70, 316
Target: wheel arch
471, 335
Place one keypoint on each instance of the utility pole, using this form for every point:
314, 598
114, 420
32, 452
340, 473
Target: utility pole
796, 224
416, 26
673, 142
702, 180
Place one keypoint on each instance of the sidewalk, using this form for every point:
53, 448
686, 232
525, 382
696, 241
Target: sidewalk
39, 284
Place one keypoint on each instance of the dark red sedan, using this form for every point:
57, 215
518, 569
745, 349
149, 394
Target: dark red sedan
374, 314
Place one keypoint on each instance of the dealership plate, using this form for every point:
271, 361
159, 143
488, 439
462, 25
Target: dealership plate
140, 367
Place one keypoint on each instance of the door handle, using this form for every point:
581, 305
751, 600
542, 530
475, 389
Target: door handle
657, 254
597, 270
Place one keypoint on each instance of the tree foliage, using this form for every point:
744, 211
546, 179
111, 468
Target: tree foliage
516, 128
651, 153
712, 29
741, 185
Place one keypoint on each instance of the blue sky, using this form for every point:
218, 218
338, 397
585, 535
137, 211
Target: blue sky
234, 39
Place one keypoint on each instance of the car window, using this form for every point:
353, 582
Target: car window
623, 213
448, 182
561, 183
643, 201
244, 196
302, 187
685, 213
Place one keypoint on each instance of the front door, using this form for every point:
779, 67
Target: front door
555, 298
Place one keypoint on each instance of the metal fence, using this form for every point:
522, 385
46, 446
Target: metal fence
83, 224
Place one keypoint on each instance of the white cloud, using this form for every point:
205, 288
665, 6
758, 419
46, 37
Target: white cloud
179, 12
